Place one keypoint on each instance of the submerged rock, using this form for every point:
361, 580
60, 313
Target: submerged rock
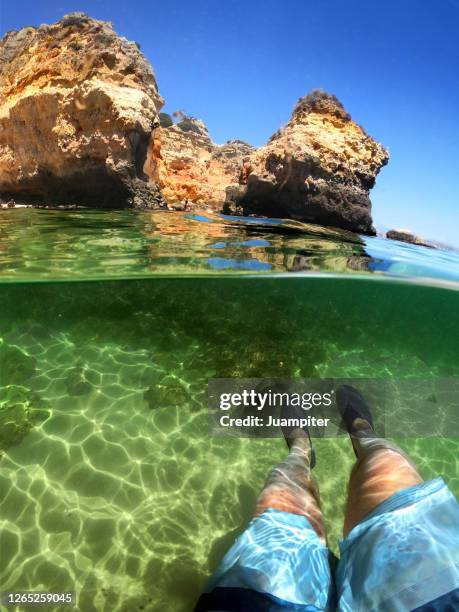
76, 382
319, 168
404, 235
16, 367
189, 167
20, 411
78, 105
169, 393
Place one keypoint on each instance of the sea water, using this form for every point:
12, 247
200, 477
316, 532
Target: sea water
111, 325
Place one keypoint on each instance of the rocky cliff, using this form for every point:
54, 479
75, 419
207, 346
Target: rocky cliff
319, 168
80, 124
77, 108
189, 167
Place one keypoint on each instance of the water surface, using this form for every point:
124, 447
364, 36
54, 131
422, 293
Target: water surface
38, 245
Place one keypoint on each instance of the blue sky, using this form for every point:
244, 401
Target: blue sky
241, 65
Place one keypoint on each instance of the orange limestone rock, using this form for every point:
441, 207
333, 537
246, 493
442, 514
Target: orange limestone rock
319, 168
189, 167
77, 108
80, 123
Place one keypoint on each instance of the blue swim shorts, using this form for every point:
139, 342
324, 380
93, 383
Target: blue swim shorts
403, 557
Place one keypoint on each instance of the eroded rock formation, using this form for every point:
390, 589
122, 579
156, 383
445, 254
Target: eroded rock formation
80, 124
77, 108
319, 168
189, 167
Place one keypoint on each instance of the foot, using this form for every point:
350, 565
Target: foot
355, 412
295, 435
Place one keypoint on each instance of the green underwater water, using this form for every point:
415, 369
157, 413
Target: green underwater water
110, 485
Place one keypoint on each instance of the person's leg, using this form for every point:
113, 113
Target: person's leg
280, 561
401, 545
381, 470
291, 487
